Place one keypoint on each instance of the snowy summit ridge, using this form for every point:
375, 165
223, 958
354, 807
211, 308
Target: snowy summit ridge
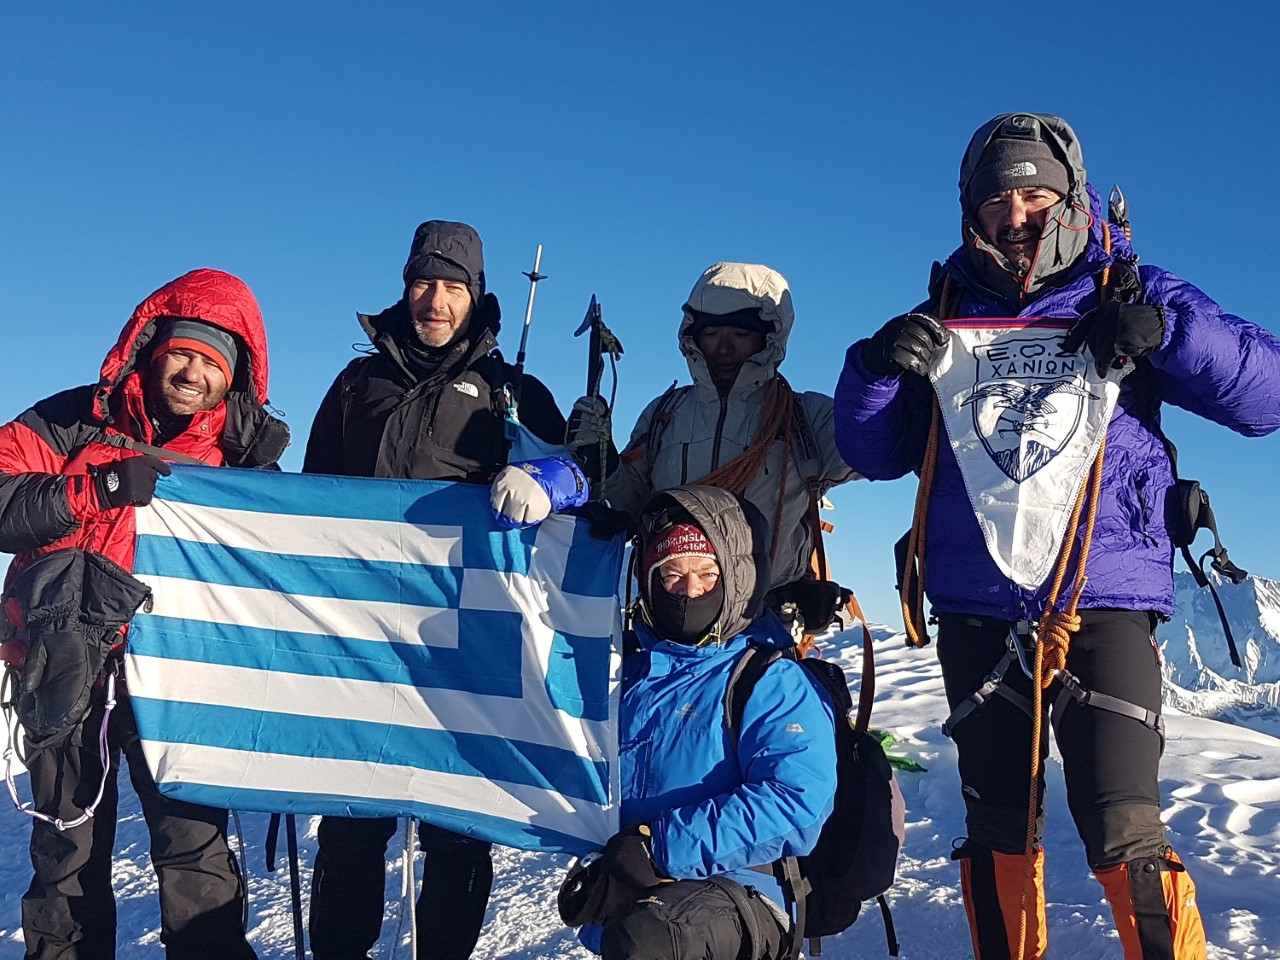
1200, 678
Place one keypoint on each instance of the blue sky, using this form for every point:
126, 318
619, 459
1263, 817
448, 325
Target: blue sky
297, 145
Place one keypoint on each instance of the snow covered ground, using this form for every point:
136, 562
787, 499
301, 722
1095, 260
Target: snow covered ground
1221, 783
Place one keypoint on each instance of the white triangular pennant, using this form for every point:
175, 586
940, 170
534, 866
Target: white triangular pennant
1025, 420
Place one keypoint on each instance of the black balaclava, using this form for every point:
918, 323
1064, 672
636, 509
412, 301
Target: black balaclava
684, 619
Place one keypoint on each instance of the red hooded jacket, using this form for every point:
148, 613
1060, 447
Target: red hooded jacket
47, 498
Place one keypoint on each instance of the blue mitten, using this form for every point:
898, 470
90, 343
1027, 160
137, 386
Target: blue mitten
527, 492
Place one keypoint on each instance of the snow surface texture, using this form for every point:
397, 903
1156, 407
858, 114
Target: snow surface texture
1221, 785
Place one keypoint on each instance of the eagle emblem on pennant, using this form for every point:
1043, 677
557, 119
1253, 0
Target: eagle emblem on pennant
1027, 400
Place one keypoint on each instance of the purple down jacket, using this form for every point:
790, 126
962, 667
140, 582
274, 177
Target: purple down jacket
1210, 363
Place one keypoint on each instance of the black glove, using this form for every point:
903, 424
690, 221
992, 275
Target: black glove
817, 602
589, 426
1117, 333
605, 522
905, 344
628, 858
129, 482
252, 437
600, 885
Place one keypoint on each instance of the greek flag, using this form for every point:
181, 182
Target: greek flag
372, 647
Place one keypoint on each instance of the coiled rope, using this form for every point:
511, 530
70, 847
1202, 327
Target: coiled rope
1056, 627
777, 421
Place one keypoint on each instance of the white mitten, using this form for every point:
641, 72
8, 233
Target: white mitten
517, 498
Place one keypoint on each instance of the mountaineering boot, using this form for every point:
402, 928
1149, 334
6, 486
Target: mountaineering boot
1153, 901
992, 886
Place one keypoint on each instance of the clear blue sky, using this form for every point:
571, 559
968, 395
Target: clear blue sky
298, 144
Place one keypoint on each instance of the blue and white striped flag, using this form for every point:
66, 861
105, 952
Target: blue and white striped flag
375, 647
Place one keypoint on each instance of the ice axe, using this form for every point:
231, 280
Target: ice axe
601, 343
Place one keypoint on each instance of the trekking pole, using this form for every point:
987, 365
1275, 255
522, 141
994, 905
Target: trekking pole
240, 868
534, 276
295, 882
295, 885
408, 900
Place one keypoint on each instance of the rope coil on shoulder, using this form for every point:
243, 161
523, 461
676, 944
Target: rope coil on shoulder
777, 421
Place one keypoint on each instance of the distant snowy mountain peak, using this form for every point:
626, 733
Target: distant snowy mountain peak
1200, 678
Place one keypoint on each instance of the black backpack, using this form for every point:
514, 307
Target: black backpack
856, 855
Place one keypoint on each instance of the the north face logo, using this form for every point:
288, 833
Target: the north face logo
1024, 168
469, 389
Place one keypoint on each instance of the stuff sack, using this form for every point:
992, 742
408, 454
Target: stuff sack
68, 606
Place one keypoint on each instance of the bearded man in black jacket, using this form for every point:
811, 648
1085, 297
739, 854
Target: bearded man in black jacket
427, 403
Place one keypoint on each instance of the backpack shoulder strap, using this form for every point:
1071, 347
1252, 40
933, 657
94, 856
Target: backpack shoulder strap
662, 415
128, 443
1121, 281
809, 461
347, 381
742, 681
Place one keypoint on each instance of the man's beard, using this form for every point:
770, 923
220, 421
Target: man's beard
1024, 241
424, 333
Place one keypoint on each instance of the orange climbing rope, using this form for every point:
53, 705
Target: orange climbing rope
912, 595
1053, 636
1053, 641
912, 589
1056, 626
777, 422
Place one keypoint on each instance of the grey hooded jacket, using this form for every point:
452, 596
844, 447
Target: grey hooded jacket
697, 430
1066, 232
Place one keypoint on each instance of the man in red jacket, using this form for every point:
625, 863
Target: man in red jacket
187, 380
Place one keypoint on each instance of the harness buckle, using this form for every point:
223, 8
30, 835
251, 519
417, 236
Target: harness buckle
1021, 634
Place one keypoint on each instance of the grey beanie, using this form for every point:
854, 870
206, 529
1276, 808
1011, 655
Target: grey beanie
208, 340
1008, 164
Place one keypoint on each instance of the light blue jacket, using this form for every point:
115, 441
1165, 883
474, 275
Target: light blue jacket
715, 809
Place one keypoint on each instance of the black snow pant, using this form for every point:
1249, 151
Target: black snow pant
1110, 762
695, 920
350, 876
69, 912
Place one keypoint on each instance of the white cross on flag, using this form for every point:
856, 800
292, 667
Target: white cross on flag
369, 647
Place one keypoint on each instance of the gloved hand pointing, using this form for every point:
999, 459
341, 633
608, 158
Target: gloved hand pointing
905, 344
527, 492
129, 482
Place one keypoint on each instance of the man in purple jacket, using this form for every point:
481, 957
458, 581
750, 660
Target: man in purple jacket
1036, 245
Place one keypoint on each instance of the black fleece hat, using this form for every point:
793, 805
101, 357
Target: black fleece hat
746, 319
446, 250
